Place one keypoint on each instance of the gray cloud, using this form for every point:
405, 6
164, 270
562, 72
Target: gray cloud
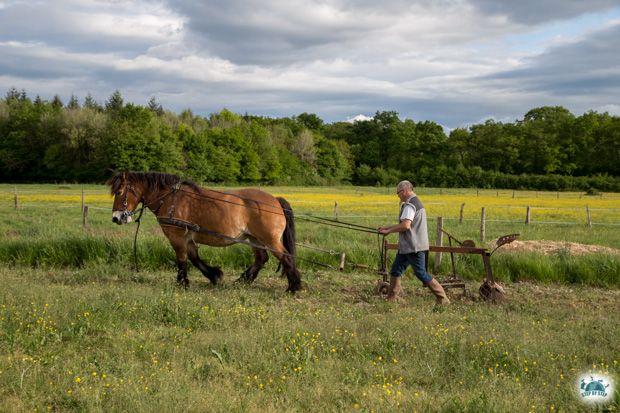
259, 32
446, 61
539, 11
590, 67
102, 27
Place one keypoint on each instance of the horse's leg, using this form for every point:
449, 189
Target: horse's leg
288, 266
260, 258
179, 244
212, 273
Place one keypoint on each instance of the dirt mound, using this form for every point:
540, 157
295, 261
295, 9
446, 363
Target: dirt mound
554, 247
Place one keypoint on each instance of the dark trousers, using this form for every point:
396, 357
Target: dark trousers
417, 260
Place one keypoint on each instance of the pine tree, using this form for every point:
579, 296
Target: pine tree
115, 102
73, 102
57, 102
91, 103
155, 107
12, 94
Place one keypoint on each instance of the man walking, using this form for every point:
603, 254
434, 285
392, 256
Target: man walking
412, 244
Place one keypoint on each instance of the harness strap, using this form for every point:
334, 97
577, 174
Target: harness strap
189, 226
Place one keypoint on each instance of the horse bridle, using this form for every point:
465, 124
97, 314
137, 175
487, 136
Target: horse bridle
125, 213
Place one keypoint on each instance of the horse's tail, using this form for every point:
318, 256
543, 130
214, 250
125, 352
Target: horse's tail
288, 237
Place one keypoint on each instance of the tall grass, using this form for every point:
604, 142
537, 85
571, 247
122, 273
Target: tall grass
155, 253
77, 251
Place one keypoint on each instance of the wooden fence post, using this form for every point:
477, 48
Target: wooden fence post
85, 217
461, 213
343, 257
513, 194
588, 219
336, 211
483, 217
82, 198
15, 202
439, 243
477, 192
527, 216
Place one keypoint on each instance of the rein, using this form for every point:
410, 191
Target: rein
140, 211
301, 217
135, 243
196, 228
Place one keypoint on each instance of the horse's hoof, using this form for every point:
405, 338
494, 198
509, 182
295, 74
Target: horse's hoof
217, 273
214, 274
243, 279
293, 289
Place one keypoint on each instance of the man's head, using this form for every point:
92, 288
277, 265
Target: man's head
404, 190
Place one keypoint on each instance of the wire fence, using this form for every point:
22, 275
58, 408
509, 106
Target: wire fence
584, 222
605, 216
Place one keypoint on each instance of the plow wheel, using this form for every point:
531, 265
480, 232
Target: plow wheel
382, 287
492, 291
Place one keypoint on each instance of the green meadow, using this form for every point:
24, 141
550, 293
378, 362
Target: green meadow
81, 331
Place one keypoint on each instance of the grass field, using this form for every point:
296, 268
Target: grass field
47, 229
80, 331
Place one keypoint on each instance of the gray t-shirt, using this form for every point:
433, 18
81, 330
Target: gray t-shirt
416, 237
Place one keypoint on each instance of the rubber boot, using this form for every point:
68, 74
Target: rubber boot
438, 291
394, 290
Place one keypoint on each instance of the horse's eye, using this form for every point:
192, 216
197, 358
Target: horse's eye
117, 193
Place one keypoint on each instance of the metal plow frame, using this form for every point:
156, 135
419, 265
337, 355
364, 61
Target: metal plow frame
490, 290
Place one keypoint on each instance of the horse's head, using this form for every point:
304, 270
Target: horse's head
128, 194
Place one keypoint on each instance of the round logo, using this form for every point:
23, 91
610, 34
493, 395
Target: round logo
595, 388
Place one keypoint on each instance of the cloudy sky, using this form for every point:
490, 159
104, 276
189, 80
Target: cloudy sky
456, 62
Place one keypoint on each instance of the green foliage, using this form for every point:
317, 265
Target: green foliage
331, 163
310, 121
549, 149
135, 139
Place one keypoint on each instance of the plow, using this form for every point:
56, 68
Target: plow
490, 290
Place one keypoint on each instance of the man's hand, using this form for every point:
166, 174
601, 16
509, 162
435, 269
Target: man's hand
384, 230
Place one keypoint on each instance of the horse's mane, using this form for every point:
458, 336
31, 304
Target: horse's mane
153, 181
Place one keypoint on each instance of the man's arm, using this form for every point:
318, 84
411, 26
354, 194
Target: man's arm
404, 225
406, 217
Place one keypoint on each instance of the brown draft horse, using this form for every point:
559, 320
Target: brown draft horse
223, 218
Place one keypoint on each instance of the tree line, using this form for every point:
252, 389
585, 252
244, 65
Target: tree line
550, 148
